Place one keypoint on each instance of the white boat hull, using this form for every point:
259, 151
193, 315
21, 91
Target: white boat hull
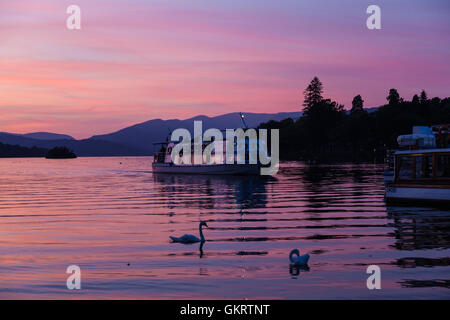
417, 193
213, 169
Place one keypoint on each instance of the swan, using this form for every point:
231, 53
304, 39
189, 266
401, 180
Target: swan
299, 260
189, 238
201, 249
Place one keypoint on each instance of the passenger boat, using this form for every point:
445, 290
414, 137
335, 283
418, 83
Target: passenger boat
163, 162
421, 173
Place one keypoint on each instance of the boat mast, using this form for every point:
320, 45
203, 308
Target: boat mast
243, 121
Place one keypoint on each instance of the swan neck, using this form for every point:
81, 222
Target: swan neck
291, 256
200, 227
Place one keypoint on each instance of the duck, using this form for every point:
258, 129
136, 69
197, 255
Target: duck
189, 238
300, 260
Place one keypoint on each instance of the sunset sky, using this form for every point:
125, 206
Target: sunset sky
135, 60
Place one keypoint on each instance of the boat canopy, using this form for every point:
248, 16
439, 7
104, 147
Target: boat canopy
420, 151
419, 140
423, 130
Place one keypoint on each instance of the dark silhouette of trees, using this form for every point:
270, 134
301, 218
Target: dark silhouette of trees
60, 153
326, 132
16, 151
423, 97
357, 104
312, 94
320, 117
393, 98
355, 126
321, 121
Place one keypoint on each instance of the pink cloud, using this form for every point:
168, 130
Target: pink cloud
133, 61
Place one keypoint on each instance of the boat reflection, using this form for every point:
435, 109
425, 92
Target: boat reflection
210, 192
420, 228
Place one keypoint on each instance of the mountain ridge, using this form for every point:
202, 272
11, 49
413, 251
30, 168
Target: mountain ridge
41, 135
137, 139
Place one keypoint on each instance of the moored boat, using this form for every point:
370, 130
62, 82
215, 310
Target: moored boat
421, 174
212, 164
163, 163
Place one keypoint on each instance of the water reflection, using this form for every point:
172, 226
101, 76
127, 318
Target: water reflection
420, 228
114, 220
425, 229
209, 192
295, 270
443, 283
251, 253
200, 248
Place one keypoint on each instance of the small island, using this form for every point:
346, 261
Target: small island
60, 153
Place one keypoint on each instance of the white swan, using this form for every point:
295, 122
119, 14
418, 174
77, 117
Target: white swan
299, 260
189, 238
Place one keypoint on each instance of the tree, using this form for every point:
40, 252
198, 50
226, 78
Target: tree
312, 94
423, 97
393, 97
320, 123
415, 99
357, 104
327, 133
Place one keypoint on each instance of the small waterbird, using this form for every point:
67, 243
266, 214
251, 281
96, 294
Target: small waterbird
189, 238
299, 260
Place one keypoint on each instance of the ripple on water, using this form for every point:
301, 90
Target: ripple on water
113, 218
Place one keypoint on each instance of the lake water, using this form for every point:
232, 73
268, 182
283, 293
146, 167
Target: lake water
112, 217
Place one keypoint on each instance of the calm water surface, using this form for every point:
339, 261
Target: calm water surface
105, 213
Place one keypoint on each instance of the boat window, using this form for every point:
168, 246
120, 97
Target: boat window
442, 166
405, 168
424, 167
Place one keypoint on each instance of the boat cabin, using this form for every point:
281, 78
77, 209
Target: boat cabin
163, 152
425, 165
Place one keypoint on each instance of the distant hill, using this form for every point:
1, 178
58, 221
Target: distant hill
142, 135
86, 147
47, 136
137, 140
43, 135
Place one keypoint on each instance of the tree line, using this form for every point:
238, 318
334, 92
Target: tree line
16, 151
327, 132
